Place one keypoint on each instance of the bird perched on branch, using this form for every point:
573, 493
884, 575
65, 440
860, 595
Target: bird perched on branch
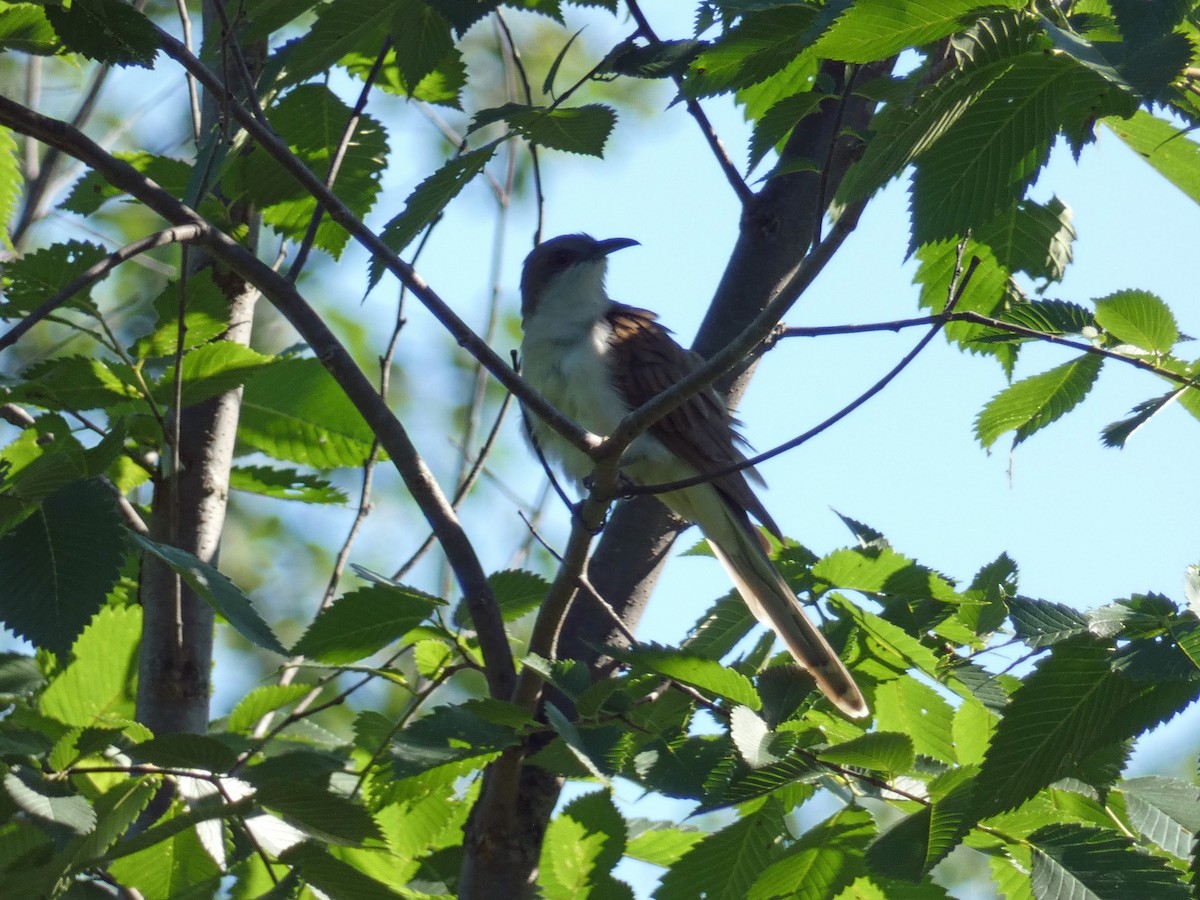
596, 360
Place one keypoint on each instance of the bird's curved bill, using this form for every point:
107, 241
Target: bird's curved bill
603, 248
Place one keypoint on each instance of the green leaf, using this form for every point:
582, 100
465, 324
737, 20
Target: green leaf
984, 162
421, 37
1080, 861
342, 27
1059, 715
169, 869
752, 737
892, 639
429, 198
363, 622
448, 735
876, 29
517, 592
1117, 434
92, 191
59, 564
285, 484
107, 31
1163, 810
763, 43
442, 86
909, 707
49, 802
312, 120
1033, 403
1033, 238
211, 370
911, 847
36, 277
690, 669
1165, 146
332, 876
76, 383
294, 411
1139, 318
582, 844
11, 178
578, 129
660, 843
1040, 623
25, 28
881, 571
206, 316
662, 59
186, 751
726, 863
778, 122
318, 812
1050, 317
822, 862
97, 685
720, 628
574, 741
261, 701
217, 590
882, 751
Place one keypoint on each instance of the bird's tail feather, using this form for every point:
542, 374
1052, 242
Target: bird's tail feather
775, 605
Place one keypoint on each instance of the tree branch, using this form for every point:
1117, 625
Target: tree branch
417, 477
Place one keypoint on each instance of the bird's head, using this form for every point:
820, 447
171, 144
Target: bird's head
570, 266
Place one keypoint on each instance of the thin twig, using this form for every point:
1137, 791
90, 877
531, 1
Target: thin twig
185, 23
513, 54
175, 235
744, 194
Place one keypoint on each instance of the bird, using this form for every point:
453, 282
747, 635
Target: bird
596, 360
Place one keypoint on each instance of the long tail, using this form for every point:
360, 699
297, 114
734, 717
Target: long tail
774, 604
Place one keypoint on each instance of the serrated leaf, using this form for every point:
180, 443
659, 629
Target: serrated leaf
59, 564
696, 671
582, 844
206, 316
1139, 318
876, 29
985, 161
285, 484
449, 735
107, 31
1165, 146
330, 875
312, 120
1050, 316
51, 803
363, 622
778, 121
25, 28
1163, 810
11, 178
169, 869
915, 844
92, 191
261, 701
1031, 404
661, 59
720, 628
517, 592
443, 86
822, 862
1040, 623
881, 571
97, 685
421, 37
1117, 434
752, 737
429, 198
725, 864
882, 751
1059, 715
578, 129
38, 276
764, 42
318, 812
909, 707
211, 370
342, 27
294, 411
217, 590
1072, 861
891, 638
660, 843
571, 737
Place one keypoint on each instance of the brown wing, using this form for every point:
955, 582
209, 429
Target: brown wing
646, 362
